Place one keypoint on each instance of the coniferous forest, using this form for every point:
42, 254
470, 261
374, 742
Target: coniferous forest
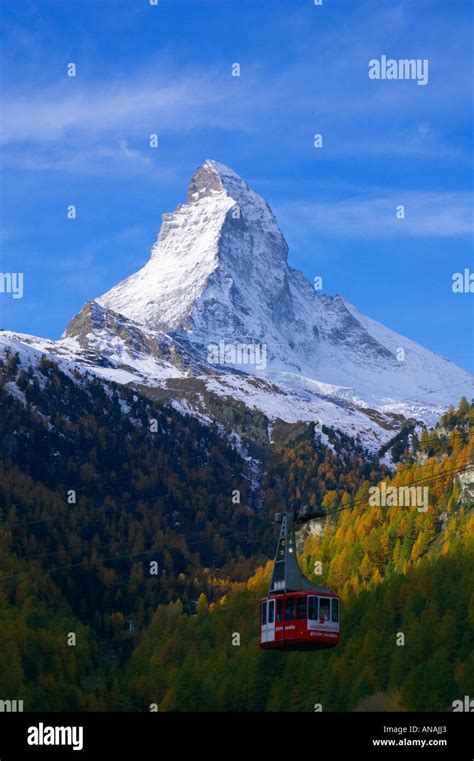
135, 543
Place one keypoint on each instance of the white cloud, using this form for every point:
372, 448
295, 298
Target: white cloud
137, 104
91, 125
427, 214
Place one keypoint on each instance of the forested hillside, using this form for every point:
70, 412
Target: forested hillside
399, 572
147, 534
190, 664
99, 482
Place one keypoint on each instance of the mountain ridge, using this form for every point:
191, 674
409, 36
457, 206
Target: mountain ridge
218, 276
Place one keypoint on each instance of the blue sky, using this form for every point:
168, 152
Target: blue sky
304, 70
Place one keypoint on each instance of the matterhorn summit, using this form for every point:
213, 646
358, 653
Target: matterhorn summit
217, 320
218, 269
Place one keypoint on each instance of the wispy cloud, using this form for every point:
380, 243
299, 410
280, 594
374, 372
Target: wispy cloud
106, 121
112, 157
426, 215
135, 103
101, 127
101, 124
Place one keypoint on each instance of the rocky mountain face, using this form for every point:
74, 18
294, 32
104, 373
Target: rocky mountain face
217, 319
219, 272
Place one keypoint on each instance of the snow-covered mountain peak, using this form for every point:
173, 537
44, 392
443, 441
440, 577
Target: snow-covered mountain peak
211, 178
218, 312
219, 275
223, 241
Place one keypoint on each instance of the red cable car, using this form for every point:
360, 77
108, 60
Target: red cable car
296, 614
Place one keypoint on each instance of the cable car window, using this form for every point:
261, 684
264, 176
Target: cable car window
335, 611
290, 609
279, 616
271, 611
264, 613
324, 609
313, 608
300, 608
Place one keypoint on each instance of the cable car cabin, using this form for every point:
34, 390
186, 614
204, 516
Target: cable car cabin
296, 614
306, 620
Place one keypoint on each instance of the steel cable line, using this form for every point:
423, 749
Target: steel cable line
125, 555
114, 507
119, 507
211, 539
146, 499
432, 479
